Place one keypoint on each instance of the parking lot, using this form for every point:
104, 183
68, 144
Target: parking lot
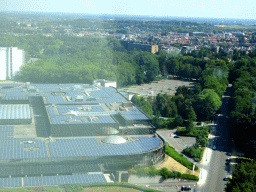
167, 86
178, 143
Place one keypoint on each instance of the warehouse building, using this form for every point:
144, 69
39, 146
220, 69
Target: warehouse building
67, 131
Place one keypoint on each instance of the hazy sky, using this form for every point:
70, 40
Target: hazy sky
189, 8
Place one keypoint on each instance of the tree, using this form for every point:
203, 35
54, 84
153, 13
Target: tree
211, 82
164, 172
243, 178
189, 125
178, 121
162, 56
184, 90
143, 104
250, 149
235, 55
207, 103
148, 67
191, 115
161, 102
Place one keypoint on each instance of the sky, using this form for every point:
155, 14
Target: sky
240, 9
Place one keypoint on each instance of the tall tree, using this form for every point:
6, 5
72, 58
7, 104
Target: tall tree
243, 178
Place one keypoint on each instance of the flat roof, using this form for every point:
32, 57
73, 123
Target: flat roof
33, 148
17, 111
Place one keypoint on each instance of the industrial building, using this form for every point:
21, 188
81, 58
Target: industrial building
53, 134
11, 59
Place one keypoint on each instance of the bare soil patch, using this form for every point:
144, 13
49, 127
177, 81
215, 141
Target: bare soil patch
173, 165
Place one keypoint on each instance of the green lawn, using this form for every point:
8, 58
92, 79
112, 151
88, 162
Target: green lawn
34, 189
110, 189
97, 187
238, 27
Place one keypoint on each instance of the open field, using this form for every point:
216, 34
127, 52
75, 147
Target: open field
236, 27
85, 189
110, 189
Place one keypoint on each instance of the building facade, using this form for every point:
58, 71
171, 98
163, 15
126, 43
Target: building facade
11, 59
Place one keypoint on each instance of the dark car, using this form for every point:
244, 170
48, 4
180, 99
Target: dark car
229, 154
228, 159
227, 163
183, 188
225, 178
176, 136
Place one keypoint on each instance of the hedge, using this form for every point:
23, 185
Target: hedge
194, 152
164, 172
178, 157
190, 177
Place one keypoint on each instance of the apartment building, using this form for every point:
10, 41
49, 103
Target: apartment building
11, 58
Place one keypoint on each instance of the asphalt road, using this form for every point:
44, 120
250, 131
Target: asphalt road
216, 168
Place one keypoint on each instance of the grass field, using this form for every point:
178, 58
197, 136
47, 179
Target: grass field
58, 189
33, 189
110, 189
236, 27
120, 187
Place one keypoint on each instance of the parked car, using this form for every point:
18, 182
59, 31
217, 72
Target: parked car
214, 147
176, 136
229, 154
228, 159
184, 188
225, 178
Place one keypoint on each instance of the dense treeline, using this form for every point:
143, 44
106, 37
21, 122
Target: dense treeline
64, 59
205, 99
242, 121
242, 116
243, 178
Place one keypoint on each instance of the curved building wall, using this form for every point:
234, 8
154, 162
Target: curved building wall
79, 164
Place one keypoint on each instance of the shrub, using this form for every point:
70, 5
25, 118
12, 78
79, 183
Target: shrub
194, 152
188, 176
164, 172
153, 171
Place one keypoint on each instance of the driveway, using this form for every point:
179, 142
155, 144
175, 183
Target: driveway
177, 143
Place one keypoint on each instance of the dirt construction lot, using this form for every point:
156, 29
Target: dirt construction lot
167, 86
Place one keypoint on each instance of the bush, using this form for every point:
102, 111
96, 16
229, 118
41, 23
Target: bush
194, 152
164, 172
153, 171
188, 176
175, 174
